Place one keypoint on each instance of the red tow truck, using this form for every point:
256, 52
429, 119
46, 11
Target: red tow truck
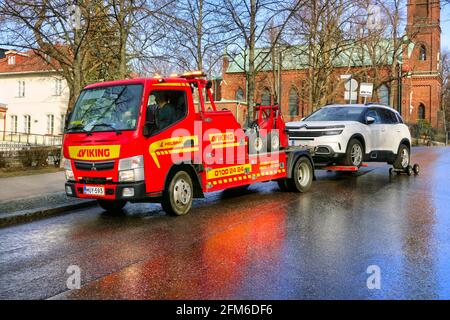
147, 140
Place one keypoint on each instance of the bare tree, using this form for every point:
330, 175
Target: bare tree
325, 32
92, 41
251, 21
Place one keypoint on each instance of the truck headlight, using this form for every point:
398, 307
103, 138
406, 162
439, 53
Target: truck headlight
68, 170
131, 169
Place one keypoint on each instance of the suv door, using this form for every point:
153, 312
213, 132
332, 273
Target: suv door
392, 132
374, 131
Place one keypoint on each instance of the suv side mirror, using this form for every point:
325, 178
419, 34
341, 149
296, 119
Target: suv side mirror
370, 120
150, 120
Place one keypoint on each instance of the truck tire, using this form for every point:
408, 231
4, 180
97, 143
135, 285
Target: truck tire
112, 205
403, 157
355, 153
273, 141
177, 197
302, 176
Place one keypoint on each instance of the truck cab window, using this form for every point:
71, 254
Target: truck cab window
169, 107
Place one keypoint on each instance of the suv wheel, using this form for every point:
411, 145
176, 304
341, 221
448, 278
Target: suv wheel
355, 153
403, 158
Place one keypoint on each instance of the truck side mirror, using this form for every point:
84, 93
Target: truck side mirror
66, 120
150, 120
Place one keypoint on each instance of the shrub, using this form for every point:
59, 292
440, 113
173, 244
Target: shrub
3, 159
37, 156
422, 130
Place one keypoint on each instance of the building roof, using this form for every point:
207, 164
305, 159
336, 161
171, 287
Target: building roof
296, 57
28, 61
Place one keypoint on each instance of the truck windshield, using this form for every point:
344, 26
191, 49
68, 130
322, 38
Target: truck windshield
337, 114
110, 108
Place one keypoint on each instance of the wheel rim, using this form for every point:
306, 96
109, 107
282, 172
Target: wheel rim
304, 174
182, 193
356, 154
405, 158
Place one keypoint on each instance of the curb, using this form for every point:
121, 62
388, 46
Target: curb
39, 213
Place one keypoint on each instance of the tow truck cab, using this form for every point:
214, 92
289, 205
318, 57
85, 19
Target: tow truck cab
145, 140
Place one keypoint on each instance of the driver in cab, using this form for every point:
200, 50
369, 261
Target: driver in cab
166, 111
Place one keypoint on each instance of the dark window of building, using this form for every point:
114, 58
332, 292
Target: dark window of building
422, 53
239, 95
293, 102
421, 112
383, 93
266, 97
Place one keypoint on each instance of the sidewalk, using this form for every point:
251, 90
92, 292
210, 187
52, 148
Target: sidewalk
30, 197
33, 185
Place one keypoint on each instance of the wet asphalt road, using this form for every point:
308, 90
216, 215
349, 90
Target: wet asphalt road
263, 244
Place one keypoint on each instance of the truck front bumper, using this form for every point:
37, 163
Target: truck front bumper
124, 191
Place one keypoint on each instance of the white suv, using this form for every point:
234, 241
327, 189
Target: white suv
351, 134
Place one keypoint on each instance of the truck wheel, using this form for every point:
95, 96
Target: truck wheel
403, 157
355, 153
177, 198
302, 176
112, 205
273, 141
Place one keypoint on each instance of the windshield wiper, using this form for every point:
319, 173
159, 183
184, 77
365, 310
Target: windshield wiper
117, 131
78, 128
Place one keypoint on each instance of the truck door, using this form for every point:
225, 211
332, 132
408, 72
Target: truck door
171, 138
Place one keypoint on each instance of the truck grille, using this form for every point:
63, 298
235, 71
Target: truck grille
94, 166
88, 180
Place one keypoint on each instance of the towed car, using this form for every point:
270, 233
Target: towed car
353, 133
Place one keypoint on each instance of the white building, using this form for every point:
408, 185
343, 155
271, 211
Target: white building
33, 97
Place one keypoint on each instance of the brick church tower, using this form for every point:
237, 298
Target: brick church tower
421, 98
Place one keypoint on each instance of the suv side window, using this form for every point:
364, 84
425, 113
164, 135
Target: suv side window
374, 114
387, 116
169, 106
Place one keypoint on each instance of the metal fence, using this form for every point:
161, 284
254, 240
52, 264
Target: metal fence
28, 139
29, 150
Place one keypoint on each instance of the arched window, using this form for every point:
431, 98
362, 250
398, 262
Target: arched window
383, 94
421, 112
293, 102
266, 97
422, 53
239, 94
